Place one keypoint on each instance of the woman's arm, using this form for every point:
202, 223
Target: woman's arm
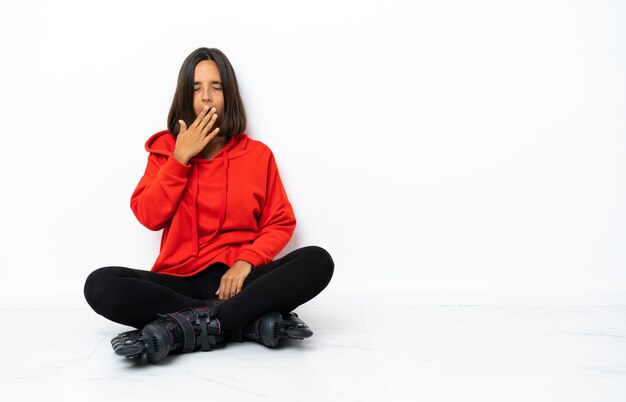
157, 195
277, 222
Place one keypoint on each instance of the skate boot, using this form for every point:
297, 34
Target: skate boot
184, 331
269, 329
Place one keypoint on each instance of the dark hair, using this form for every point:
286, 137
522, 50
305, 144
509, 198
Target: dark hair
233, 120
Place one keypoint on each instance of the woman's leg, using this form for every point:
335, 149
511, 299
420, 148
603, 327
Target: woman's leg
135, 297
280, 285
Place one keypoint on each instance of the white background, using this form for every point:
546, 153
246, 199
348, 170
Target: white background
443, 148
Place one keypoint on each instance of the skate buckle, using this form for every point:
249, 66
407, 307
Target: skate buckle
201, 313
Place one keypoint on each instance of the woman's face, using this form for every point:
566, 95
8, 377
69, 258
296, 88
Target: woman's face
207, 90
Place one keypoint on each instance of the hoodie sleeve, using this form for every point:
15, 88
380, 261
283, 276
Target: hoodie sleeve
277, 222
157, 195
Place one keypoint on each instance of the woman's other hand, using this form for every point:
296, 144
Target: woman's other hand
232, 280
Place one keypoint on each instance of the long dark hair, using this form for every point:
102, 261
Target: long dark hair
233, 121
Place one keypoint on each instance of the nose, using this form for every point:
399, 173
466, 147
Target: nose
206, 95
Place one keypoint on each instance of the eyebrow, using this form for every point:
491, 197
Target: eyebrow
212, 82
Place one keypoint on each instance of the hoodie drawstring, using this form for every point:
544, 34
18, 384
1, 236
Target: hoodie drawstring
194, 213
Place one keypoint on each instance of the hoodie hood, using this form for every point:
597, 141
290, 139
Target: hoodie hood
164, 143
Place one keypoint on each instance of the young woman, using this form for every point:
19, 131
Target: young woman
218, 197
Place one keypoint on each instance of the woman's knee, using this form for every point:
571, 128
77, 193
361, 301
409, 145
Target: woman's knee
97, 289
321, 260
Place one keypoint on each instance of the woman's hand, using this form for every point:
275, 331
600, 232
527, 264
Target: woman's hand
232, 280
190, 141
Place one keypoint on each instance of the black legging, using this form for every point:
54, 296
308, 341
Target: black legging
135, 297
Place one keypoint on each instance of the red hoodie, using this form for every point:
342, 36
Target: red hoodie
231, 207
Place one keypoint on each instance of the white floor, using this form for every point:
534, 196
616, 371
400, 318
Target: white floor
357, 353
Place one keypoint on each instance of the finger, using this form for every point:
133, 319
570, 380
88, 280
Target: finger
203, 113
227, 288
222, 288
239, 286
183, 126
233, 288
210, 123
212, 135
208, 118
